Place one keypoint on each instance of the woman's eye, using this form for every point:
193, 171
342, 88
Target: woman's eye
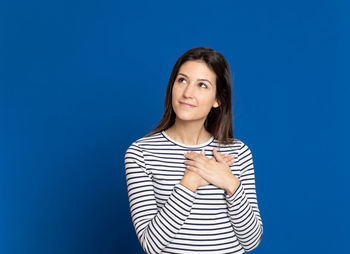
181, 80
203, 85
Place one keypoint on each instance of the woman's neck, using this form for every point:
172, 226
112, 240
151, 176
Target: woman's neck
189, 133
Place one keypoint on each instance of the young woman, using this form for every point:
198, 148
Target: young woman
191, 185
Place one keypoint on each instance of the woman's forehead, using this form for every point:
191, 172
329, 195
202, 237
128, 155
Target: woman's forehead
197, 69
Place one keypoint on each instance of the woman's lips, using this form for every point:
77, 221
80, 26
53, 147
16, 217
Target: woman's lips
187, 105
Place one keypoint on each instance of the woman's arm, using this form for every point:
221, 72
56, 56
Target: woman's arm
242, 204
155, 228
240, 193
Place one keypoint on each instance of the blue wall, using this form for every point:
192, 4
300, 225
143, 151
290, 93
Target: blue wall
81, 80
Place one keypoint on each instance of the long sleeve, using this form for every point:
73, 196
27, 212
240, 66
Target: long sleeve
243, 206
155, 228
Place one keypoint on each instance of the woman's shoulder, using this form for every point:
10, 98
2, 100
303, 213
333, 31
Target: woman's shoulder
148, 139
234, 145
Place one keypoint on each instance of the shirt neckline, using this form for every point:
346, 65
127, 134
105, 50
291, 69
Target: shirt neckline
187, 146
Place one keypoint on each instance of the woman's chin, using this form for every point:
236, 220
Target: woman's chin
187, 117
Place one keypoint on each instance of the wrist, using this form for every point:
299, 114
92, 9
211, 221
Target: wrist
232, 186
191, 186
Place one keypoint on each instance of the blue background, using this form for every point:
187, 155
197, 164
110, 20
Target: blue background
81, 80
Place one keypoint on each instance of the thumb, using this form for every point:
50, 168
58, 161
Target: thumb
218, 156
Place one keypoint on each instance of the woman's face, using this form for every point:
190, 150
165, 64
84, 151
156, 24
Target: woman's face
194, 91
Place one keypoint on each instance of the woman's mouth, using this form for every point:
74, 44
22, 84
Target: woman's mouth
187, 105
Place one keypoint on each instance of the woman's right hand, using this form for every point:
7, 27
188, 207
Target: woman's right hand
228, 159
192, 180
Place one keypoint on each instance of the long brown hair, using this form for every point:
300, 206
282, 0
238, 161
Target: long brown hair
219, 120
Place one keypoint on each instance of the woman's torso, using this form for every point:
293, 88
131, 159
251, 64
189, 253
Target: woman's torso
208, 228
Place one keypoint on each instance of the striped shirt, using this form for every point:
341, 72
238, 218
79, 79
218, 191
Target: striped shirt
170, 218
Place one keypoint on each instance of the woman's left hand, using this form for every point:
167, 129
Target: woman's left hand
214, 170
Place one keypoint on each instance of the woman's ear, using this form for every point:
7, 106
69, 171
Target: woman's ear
216, 103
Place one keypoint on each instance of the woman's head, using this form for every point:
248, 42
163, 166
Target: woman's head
200, 77
194, 92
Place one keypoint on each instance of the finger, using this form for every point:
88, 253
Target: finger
228, 158
192, 163
203, 152
232, 159
227, 161
191, 155
225, 157
193, 169
231, 162
195, 156
218, 156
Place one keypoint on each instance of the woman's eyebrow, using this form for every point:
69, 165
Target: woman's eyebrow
201, 79
183, 74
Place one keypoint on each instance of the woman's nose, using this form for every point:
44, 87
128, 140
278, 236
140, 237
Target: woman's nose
188, 92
